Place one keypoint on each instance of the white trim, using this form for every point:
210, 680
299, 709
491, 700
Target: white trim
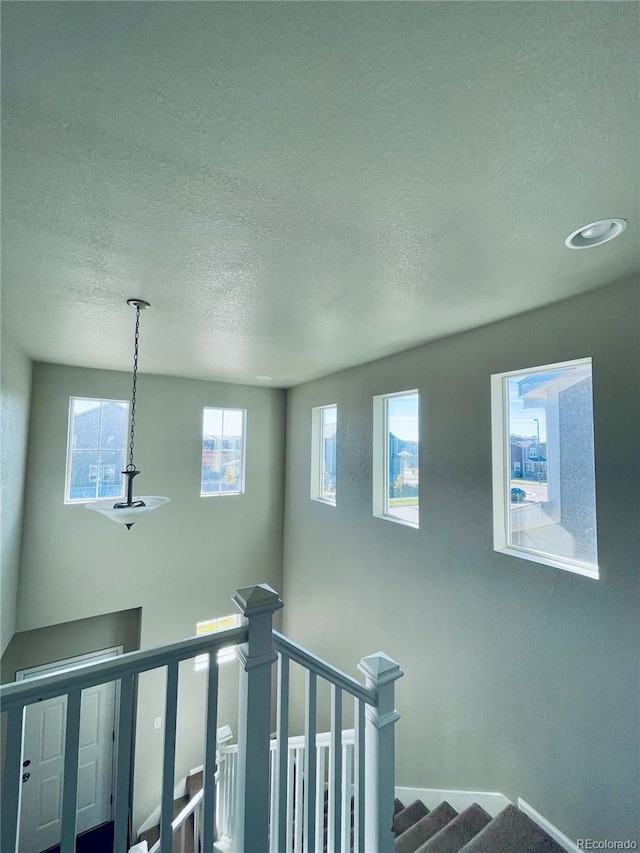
380, 496
379, 453
500, 461
317, 453
70, 428
501, 474
243, 452
549, 828
544, 368
491, 801
398, 520
69, 663
539, 557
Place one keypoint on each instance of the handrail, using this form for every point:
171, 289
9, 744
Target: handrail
320, 667
20, 693
181, 817
39, 687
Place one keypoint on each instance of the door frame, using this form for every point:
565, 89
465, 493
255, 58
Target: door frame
76, 662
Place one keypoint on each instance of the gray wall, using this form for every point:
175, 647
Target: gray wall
70, 639
14, 426
520, 678
180, 564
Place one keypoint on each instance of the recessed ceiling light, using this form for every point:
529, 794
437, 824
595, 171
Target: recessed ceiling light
595, 233
263, 378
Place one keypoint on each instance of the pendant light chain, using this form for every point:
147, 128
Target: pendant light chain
131, 466
128, 511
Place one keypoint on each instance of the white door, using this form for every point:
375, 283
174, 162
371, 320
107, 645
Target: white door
43, 763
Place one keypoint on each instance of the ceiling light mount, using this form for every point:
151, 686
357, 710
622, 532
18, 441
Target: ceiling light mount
595, 233
127, 512
138, 303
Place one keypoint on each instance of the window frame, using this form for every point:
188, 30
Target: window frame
317, 454
68, 501
501, 480
380, 500
243, 454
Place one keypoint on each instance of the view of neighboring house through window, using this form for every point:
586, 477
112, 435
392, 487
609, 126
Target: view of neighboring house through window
544, 471
96, 449
324, 427
223, 451
210, 626
395, 448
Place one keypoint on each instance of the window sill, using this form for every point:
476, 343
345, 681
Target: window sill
402, 521
587, 570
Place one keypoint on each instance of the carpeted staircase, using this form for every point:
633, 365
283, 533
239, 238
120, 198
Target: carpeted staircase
443, 830
418, 830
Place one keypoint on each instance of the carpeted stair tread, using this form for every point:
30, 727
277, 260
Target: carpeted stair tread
418, 834
457, 832
512, 832
398, 806
407, 817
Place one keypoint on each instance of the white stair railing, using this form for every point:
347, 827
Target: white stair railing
293, 795
303, 775
285, 809
15, 697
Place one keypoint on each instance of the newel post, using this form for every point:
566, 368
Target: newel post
380, 674
257, 604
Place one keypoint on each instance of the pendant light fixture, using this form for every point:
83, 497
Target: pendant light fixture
129, 511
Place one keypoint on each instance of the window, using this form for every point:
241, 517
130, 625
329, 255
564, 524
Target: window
324, 427
96, 449
543, 466
210, 626
395, 455
223, 451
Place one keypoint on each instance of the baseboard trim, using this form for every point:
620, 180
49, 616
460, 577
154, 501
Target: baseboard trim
549, 828
492, 802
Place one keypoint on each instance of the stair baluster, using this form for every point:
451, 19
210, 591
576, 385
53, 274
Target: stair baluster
124, 760
335, 770
70, 784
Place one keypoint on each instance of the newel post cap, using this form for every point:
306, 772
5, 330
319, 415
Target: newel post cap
251, 600
380, 668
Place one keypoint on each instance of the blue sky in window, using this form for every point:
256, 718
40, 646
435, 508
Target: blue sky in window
329, 415
402, 417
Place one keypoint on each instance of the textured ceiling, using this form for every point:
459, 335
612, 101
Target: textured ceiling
300, 187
